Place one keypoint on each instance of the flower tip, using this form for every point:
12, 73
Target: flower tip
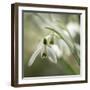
29, 64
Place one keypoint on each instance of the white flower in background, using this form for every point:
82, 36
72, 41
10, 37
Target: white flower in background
73, 28
47, 49
57, 50
64, 47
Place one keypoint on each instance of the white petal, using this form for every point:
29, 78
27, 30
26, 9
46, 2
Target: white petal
73, 28
57, 50
34, 55
64, 47
51, 55
43, 50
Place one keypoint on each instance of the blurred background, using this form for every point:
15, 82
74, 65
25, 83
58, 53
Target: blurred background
34, 30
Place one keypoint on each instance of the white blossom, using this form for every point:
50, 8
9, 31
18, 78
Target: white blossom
73, 28
47, 49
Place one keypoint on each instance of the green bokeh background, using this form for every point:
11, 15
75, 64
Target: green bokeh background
33, 33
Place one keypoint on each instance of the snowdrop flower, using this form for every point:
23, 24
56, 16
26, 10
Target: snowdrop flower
73, 28
47, 49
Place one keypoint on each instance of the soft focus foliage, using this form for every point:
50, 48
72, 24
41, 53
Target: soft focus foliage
66, 28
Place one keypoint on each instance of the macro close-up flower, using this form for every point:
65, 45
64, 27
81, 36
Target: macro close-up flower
52, 44
47, 49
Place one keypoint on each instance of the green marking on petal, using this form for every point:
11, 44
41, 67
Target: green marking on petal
51, 41
44, 55
44, 41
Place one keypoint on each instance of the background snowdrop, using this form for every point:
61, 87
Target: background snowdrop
73, 28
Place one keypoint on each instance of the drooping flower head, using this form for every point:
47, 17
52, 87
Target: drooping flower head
48, 49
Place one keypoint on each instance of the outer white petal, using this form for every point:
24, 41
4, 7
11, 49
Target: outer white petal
57, 50
51, 55
35, 54
33, 57
43, 50
64, 47
73, 28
